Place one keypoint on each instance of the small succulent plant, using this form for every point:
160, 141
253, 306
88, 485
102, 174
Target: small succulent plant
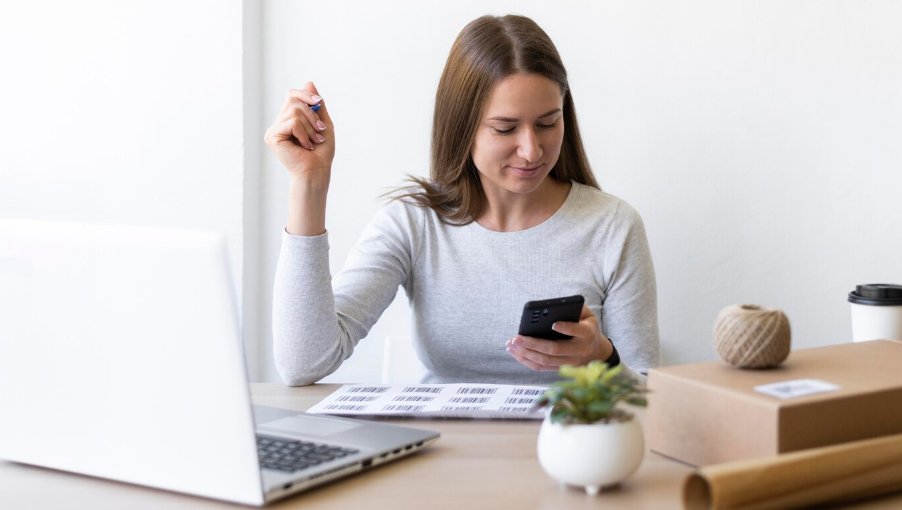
590, 393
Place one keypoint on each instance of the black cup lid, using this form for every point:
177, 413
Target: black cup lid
879, 294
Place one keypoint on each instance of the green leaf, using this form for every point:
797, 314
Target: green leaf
569, 371
559, 416
600, 407
610, 374
590, 393
638, 402
593, 371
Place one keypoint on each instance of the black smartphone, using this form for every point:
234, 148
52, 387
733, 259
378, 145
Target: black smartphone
538, 316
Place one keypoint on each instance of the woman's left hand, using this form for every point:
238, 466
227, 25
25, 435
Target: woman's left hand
587, 344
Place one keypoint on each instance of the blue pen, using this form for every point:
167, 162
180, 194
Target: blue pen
315, 108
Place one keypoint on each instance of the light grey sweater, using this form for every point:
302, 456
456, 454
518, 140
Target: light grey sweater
467, 286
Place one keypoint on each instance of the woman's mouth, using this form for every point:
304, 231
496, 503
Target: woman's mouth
526, 171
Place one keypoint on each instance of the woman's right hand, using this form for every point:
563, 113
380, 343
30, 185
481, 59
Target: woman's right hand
304, 140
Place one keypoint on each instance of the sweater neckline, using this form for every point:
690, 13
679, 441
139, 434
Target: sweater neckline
538, 230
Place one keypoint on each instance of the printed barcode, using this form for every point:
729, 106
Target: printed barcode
345, 407
469, 400
410, 409
514, 409
476, 391
527, 391
413, 398
356, 398
368, 389
462, 408
422, 389
514, 400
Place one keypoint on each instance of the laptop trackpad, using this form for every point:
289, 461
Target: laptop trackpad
308, 426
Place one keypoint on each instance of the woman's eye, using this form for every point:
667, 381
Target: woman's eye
511, 130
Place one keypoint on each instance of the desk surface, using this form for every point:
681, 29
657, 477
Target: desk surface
475, 464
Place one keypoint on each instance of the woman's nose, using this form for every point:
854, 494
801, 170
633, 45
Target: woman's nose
528, 146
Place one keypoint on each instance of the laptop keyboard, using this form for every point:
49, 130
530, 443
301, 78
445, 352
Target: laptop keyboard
290, 456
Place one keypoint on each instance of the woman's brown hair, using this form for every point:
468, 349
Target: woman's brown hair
486, 51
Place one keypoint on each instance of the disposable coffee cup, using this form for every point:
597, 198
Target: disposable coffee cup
876, 312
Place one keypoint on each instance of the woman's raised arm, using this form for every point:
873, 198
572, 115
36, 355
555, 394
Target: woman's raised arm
304, 141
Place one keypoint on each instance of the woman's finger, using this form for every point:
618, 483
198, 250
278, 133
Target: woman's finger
298, 104
303, 119
549, 362
548, 347
305, 109
304, 130
288, 131
543, 360
526, 362
323, 111
580, 329
307, 95
536, 350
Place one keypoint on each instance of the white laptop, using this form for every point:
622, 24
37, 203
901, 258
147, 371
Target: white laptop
121, 358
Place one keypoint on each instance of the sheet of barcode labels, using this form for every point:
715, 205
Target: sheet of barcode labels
488, 401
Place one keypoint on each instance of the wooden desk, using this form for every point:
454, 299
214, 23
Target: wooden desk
475, 464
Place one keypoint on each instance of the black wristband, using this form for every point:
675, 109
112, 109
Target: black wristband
614, 359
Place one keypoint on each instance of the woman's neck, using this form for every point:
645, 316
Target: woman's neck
510, 212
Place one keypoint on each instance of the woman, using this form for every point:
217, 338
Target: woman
511, 213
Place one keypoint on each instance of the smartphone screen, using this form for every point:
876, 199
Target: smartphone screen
538, 316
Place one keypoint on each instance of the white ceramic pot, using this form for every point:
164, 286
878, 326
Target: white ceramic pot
591, 456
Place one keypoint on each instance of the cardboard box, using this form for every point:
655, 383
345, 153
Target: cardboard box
707, 413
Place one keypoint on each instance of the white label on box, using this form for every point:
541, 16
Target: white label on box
797, 388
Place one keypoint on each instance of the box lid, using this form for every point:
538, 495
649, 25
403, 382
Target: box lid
857, 368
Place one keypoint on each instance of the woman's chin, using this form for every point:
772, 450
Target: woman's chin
520, 183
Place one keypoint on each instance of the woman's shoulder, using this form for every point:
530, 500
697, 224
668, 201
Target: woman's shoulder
602, 204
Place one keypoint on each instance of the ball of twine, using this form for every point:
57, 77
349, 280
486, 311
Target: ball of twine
752, 336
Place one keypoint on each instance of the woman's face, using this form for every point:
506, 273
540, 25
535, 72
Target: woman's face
520, 134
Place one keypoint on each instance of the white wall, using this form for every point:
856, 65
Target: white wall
254, 291
758, 139
124, 112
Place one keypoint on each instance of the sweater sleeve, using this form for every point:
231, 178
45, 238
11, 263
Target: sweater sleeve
629, 314
317, 322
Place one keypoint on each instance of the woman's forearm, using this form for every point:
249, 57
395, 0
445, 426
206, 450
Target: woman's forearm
306, 208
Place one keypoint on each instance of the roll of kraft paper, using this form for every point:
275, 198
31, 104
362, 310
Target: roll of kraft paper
831, 474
